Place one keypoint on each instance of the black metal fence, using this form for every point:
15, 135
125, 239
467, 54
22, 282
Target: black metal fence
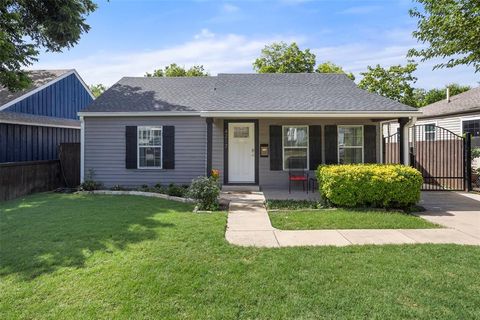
442, 157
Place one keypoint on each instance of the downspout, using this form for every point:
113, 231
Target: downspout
406, 147
82, 149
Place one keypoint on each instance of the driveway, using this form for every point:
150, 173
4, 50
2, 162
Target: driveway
456, 210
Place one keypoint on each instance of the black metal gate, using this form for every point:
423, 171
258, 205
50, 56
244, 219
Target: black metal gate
439, 154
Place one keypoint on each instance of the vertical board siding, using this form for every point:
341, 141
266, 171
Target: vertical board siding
62, 99
105, 142
33, 143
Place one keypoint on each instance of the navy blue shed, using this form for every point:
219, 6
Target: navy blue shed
33, 122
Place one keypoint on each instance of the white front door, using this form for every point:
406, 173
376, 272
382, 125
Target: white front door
241, 152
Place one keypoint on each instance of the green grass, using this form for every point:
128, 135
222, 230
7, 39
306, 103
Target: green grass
126, 257
346, 219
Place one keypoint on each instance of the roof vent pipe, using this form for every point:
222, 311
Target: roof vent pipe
448, 94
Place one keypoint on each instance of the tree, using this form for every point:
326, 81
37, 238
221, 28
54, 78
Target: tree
425, 98
283, 58
27, 26
174, 70
394, 83
330, 67
451, 29
97, 89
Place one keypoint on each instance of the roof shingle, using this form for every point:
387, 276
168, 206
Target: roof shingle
465, 102
311, 92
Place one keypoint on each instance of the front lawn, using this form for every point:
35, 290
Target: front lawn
346, 219
129, 257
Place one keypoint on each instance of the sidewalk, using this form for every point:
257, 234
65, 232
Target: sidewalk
249, 225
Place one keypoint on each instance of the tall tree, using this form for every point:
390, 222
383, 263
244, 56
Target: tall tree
394, 83
174, 70
330, 67
97, 89
451, 29
26, 26
283, 58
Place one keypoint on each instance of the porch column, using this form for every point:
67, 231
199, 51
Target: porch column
209, 145
405, 124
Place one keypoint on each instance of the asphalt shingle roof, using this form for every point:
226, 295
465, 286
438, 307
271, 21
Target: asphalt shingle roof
38, 77
465, 102
310, 92
25, 118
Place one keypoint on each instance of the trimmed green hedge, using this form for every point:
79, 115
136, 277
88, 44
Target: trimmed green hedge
370, 185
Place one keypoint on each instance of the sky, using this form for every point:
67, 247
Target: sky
131, 37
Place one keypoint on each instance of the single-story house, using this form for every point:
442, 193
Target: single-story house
251, 127
34, 121
459, 114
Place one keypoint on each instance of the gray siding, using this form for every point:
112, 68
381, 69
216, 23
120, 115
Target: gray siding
279, 179
105, 150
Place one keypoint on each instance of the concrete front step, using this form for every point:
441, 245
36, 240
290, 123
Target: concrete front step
240, 188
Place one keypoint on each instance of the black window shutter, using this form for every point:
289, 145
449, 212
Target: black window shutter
315, 146
131, 147
370, 144
331, 144
276, 148
168, 147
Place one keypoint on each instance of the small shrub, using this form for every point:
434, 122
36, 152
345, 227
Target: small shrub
205, 191
293, 204
118, 187
89, 184
176, 191
370, 185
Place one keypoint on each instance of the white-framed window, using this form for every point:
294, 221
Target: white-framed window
150, 142
430, 129
471, 126
350, 144
295, 147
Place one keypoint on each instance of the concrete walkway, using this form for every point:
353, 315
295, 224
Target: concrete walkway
249, 225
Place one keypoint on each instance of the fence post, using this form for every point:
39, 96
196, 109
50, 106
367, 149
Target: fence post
468, 161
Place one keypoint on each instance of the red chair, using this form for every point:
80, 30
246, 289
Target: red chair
297, 175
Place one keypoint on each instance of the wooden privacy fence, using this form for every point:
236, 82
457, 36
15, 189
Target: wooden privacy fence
69, 154
21, 178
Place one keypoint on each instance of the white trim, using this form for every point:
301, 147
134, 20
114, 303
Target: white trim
28, 94
26, 123
425, 124
257, 114
297, 114
139, 114
161, 147
351, 147
84, 84
307, 147
462, 119
82, 150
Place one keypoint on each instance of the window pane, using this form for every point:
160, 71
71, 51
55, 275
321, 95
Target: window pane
241, 132
295, 137
150, 137
150, 157
472, 126
295, 158
350, 136
350, 155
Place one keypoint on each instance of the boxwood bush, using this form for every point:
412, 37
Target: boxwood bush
369, 185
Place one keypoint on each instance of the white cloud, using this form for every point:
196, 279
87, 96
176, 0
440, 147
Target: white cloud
217, 53
236, 53
228, 7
